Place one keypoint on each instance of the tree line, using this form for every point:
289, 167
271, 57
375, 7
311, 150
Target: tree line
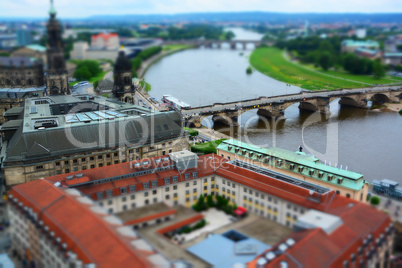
326, 53
143, 55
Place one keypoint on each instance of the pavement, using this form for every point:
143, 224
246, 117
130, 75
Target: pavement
392, 207
85, 89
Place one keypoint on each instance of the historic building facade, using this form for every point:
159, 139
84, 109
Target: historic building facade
299, 165
123, 87
60, 134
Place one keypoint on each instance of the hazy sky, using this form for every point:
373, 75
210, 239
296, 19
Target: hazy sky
85, 8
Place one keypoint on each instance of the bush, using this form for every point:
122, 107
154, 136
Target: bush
191, 131
82, 73
375, 200
149, 52
249, 70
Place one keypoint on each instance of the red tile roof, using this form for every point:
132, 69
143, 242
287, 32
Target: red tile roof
104, 35
180, 224
77, 226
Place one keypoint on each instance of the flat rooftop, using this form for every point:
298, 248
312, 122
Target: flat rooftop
288, 179
143, 212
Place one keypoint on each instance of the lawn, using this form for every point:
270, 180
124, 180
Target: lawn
270, 61
175, 47
147, 86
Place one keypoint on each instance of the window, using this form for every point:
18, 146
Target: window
262, 196
205, 187
67, 170
175, 178
167, 197
256, 194
109, 193
65, 162
154, 183
195, 174
348, 195
132, 188
245, 189
132, 205
116, 154
194, 182
39, 167
223, 182
110, 210
167, 180
145, 185
76, 169
289, 206
75, 161
250, 192
84, 167
167, 189
175, 187
187, 191
205, 180
338, 192
110, 202
233, 185
99, 157
175, 195
99, 195
213, 179
92, 158
100, 165
154, 192
187, 176
132, 197
194, 190
228, 183
146, 202
58, 172
187, 184
124, 199
92, 166
146, 194
123, 190
155, 199
57, 163
345, 264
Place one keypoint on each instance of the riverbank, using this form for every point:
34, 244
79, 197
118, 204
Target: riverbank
273, 62
165, 52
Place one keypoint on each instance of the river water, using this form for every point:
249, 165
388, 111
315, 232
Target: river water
362, 140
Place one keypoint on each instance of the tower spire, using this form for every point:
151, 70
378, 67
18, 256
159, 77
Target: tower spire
52, 10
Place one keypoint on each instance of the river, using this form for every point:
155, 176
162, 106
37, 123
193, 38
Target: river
362, 140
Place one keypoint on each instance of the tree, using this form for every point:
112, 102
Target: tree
325, 60
82, 73
229, 35
378, 70
210, 201
399, 47
375, 201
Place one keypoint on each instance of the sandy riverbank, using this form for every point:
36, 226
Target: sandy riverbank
393, 107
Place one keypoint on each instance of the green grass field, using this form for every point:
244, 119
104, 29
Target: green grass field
175, 47
270, 61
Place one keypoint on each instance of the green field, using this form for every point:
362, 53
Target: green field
271, 61
147, 86
207, 147
175, 47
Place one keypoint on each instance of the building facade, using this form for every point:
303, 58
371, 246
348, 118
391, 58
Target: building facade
61, 134
298, 165
180, 178
105, 40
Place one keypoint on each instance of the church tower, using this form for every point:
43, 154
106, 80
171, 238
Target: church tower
57, 78
123, 87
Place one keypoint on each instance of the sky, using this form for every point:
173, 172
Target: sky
86, 8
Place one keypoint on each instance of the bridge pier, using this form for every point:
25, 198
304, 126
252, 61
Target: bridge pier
244, 45
219, 44
195, 121
272, 113
232, 45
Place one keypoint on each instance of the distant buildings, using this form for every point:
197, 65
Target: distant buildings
24, 37
339, 231
392, 58
299, 165
351, 45
8, 41
103, 46
31, 51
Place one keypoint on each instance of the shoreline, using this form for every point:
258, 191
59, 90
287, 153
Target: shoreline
147, 64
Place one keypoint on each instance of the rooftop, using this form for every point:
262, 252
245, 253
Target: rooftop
353, 180
36, 47
357, 43
57, 125
80, 224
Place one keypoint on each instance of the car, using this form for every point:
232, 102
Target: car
83, 83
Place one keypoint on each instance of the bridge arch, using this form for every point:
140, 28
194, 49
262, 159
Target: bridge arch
380, 97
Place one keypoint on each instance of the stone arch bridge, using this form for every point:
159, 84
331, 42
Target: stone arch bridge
217, 43
274, 107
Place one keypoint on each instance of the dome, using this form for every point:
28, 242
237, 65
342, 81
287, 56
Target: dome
122, 63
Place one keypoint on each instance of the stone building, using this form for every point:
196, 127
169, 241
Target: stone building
123, 87
57, 75
341, 232
20, 77
299, 165
59, 134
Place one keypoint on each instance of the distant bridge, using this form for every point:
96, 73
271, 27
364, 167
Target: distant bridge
217, 43
274, 107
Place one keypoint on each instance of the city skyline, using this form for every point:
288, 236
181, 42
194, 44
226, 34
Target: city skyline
68, 9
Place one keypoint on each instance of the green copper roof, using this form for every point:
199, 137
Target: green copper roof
349, 179
37, 47
357, 43
52, 9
